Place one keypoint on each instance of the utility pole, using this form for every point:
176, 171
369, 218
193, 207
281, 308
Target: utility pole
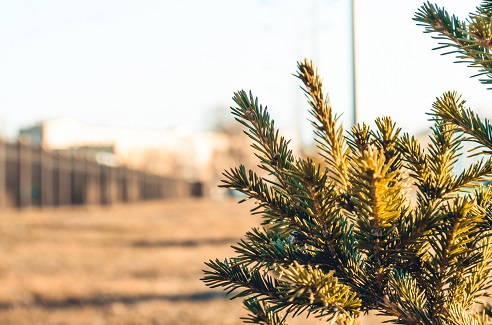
354, 63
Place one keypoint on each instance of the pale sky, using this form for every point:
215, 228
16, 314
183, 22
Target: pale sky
162, 64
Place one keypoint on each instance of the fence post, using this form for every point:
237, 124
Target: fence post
108, 185
120, 184
93, 191
3, 174
47, 171
64, 179
79, 179
25, 174
133, 194
142, 195
36, 172
114, 184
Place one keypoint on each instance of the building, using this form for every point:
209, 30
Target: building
197, 157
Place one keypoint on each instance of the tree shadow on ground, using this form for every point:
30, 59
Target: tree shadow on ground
184, 242
104, 300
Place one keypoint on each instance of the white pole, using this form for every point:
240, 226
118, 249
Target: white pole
354, 66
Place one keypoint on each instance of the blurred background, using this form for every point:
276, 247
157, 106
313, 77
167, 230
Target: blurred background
115, 128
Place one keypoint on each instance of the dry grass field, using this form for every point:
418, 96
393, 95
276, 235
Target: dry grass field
124, 264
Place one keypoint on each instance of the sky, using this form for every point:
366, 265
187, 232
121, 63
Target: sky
163, 64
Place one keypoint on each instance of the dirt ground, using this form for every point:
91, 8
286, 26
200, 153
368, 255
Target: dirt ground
124, 264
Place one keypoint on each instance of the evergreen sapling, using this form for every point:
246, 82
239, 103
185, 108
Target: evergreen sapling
344, 236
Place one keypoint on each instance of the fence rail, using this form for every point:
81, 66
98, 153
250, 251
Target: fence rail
30, 176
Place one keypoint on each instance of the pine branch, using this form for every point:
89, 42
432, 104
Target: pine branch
483, 197
360, 139
266, 248
253, 284
321, 293
311, 189
433, 171
328, 129
314, 198
272, 149
451, 109
485, 8
273, 202
378, 197
472, 176
299, 290
387, 138
325, 229
379, 202
261, 314
443, 155
452, 251
470, 40
406, 300
418, 165
472, 287
458, 316
415, 230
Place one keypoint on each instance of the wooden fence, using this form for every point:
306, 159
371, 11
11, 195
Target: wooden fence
30, 176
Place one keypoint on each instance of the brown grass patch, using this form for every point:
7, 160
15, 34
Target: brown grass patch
124, 264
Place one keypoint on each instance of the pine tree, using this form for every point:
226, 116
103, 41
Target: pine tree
344, 236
